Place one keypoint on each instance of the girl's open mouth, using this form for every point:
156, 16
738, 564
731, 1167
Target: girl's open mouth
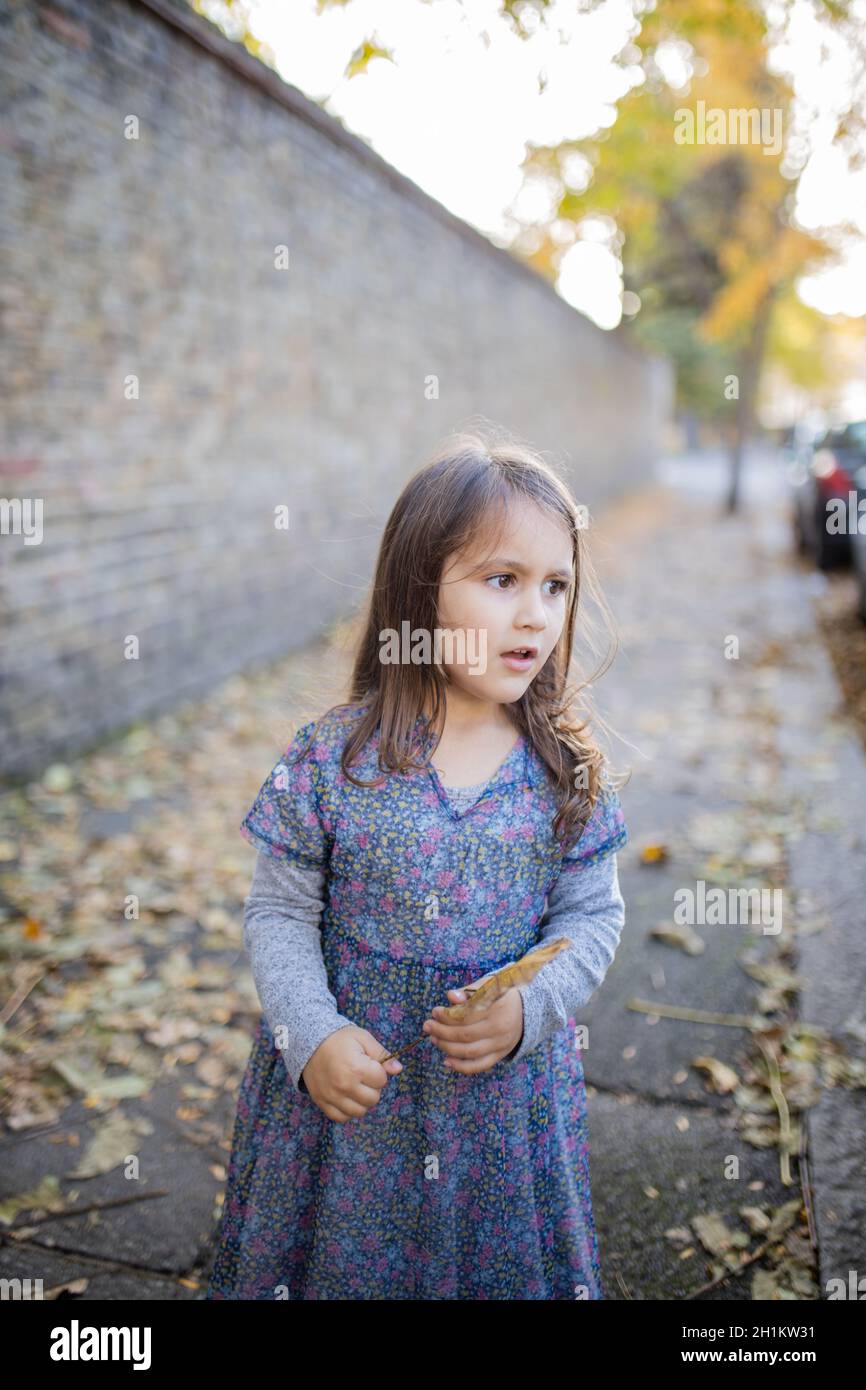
520, 659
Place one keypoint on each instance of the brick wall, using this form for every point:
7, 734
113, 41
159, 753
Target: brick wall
152, 260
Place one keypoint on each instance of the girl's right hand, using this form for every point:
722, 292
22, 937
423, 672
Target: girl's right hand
343, 1076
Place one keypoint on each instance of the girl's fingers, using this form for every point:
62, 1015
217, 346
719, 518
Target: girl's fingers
467, 1068
458, 1032
469, 1049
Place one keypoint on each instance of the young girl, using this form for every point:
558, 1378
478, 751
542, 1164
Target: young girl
450, 817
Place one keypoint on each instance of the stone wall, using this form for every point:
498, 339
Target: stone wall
169, 382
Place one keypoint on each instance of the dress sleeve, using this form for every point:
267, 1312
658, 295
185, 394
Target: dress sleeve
287, 820
604, 833
586, 905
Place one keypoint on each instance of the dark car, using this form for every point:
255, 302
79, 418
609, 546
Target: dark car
824, 491
857, 510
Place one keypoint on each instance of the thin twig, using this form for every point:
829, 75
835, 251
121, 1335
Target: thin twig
17, 999
806, 1189
404, 1050
646, 1006
122, 1266
732, 1273
25, 1136
781, 1103
79, 1211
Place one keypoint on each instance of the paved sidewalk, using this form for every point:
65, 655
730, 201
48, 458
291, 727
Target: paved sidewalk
743, 774
748, 774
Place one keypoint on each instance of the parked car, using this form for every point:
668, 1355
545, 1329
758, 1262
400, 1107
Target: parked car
857, 440
823, 487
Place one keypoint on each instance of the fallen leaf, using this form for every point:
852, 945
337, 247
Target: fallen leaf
653, 854
683, 937
723, 1078
72, 1286
45, 1197
113, 1140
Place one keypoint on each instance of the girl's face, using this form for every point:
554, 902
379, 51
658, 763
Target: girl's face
519, 599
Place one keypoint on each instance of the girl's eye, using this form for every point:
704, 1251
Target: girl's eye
561, 583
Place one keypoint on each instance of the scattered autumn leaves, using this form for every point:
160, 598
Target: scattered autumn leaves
121, 883
792, 1062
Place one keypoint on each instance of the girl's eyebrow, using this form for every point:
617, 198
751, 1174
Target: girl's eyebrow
523, 569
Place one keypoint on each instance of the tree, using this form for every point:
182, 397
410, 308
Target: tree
708, 239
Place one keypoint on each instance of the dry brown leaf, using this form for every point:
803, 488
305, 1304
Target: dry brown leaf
722, 1077
683, 937
679, 1235
757, 1220
72, 1286
653, 854
494, 986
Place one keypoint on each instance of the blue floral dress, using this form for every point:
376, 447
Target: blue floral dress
453, 1186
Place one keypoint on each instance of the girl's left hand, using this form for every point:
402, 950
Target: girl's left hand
478, 1044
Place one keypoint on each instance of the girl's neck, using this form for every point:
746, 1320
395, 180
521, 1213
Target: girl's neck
472, 718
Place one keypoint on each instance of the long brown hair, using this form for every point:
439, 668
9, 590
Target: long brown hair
463, 490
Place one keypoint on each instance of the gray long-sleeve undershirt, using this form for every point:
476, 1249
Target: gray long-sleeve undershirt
283, 944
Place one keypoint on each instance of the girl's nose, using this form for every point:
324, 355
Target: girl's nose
533, 618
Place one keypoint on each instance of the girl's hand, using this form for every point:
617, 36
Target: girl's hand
343, 1076
479, 1043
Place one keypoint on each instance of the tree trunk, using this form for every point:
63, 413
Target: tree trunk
749, 370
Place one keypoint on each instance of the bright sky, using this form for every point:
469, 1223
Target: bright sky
461, 99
